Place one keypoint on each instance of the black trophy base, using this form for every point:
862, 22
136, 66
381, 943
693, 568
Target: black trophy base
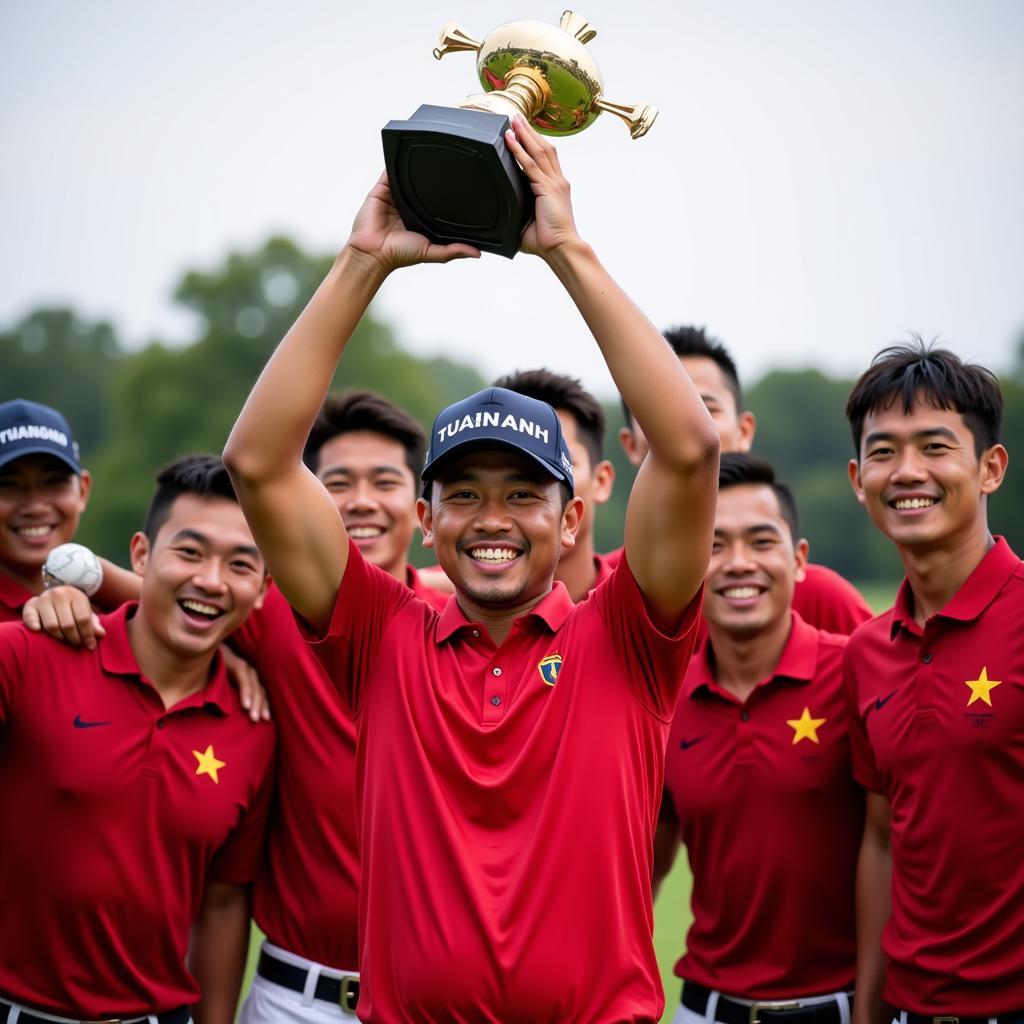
454, 180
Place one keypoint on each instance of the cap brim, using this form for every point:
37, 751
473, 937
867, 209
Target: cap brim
9, 457
478, 443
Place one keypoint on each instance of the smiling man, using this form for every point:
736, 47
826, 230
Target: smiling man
935, 683
510, 749
133, 791
758, 780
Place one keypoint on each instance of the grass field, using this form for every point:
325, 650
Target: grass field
672, 908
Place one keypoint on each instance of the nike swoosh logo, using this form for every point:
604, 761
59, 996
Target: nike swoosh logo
80, 724
880, 702
686, 744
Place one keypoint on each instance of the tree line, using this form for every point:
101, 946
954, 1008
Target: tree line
133, 411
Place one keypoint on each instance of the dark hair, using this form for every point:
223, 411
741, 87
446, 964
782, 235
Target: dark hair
562, 392
738, 468
914, 372
366, 410
694, 341
202, 475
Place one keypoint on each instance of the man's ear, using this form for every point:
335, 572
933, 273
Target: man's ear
572, 518
993, 468
801, 551
748, 428
84, 489
603, 476
631, 446
425, 516
853, 471
140, 553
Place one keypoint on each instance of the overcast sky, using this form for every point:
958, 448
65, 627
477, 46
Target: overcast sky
823, 176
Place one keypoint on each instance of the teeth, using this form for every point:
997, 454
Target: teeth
494, 554
34, 531
364, 532
905, 503
740, 592
200, 608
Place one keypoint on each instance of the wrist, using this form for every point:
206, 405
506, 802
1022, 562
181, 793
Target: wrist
568, 253
360, 266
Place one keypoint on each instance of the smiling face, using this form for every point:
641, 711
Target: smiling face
201, 576
41, 500
919, 477
754, 562
366, 475
497, 524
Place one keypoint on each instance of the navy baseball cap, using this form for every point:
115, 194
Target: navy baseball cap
499, 417
28, 428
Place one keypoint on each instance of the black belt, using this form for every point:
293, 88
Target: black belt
180, 1016
343, 992
729, 1011
1017, 1017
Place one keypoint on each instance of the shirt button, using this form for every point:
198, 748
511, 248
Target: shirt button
745, 715
927, 657
496, 671
495, 700
476, 632
160, 723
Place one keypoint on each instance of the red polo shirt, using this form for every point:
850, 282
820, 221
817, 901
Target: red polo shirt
939, 731
772, 821
823, 599
306, 897
12, 598
507, 801
116, 812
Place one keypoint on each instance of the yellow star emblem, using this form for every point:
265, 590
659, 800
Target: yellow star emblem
981, 688
208, 763
805, 727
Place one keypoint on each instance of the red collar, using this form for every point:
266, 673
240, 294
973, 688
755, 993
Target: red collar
12, 593
118, 658
798, 663
553, 609
977, 593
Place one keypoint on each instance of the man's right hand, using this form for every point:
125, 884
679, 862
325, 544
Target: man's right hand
66, 614
379, 234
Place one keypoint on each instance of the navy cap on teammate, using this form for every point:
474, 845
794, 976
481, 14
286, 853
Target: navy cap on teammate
28, 428
497, 416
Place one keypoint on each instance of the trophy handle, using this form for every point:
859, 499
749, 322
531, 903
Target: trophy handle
454, 39
639, 118
578, 26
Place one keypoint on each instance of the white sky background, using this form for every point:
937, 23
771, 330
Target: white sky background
823, 177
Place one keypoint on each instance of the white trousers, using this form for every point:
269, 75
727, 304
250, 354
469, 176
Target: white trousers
15, 1012
268, 1003
686, 1016
901, 1018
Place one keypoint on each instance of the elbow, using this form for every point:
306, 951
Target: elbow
245, 465
700, 453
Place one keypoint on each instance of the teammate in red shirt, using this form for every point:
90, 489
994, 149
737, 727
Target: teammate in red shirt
581, 568
937, 703
823, 598
133, 792
759, 782
510, 749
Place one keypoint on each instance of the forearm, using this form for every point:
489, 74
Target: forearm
874, 877
268, 439
220, 944
646, 371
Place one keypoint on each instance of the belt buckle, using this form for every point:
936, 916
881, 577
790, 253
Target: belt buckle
757, 1007
348, 995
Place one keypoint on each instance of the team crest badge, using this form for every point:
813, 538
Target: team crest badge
549, 668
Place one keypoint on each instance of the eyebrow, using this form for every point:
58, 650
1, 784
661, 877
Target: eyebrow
187, 533
346, 471
759, 528
885, 435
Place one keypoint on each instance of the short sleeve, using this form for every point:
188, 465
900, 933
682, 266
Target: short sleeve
865, 769
654, 662
240, 856
368, 599
13, 662
827, 601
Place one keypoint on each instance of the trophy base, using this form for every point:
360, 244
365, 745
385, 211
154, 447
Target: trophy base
454, 180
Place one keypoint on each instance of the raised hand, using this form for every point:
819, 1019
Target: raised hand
378, 233
553, 225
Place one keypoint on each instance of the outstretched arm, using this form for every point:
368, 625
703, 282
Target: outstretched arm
293, 520
670, 517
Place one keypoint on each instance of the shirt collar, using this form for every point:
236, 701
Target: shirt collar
797, 663
118, 658
12, 593
977, 593
553, 609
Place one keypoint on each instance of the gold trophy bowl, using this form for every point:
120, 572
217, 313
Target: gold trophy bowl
450, 172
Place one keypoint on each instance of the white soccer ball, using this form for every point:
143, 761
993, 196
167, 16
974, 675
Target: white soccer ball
73, 565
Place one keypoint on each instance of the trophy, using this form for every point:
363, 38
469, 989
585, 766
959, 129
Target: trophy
451, 174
